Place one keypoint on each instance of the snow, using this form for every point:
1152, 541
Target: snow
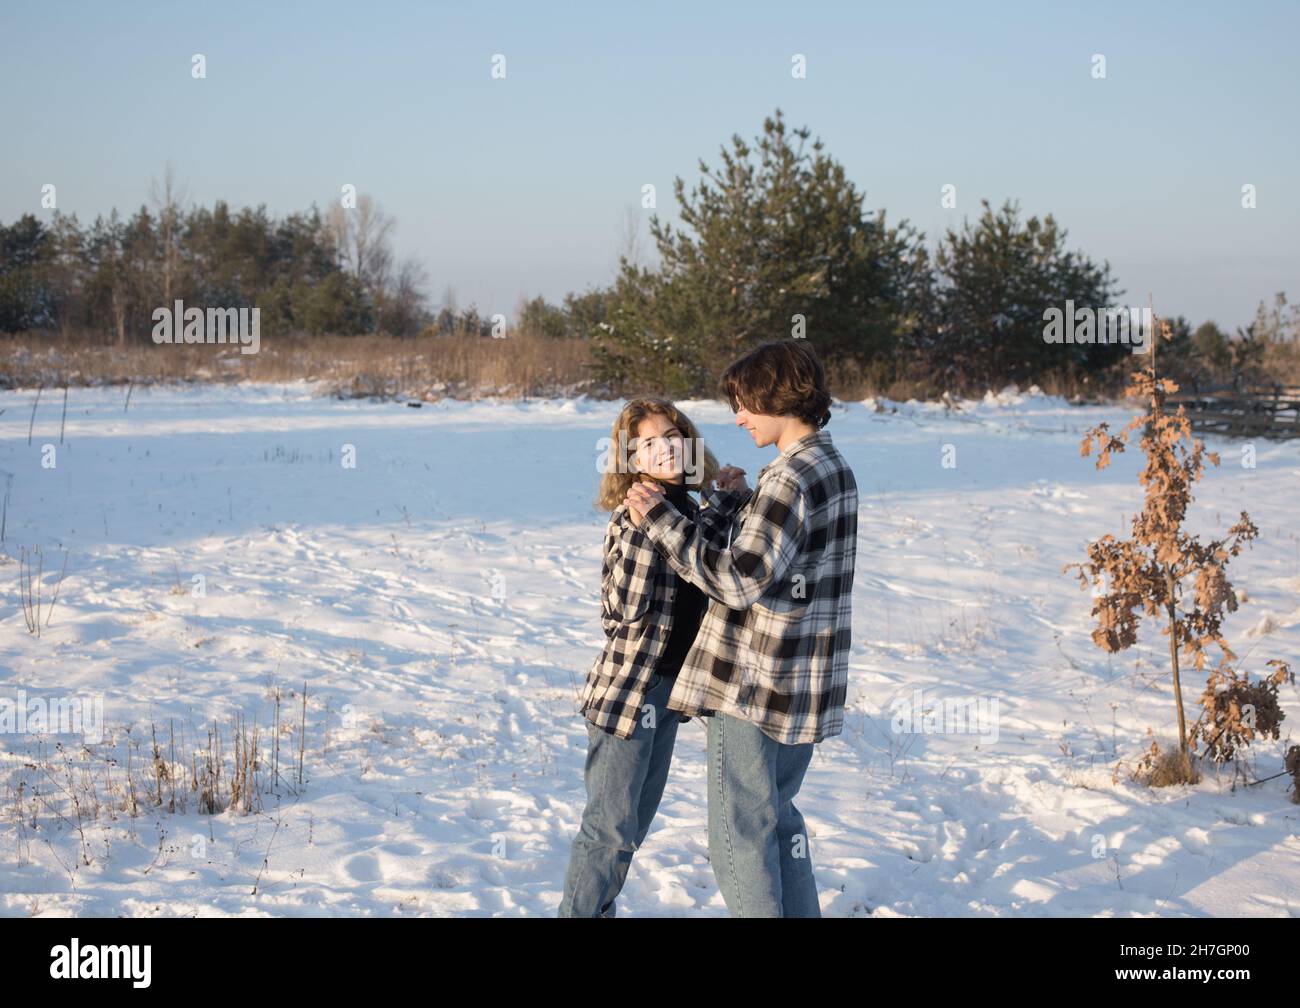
440, 602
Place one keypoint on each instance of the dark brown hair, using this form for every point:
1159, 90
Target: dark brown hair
783, 378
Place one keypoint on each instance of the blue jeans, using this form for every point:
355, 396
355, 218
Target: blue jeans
625, 779
758, 844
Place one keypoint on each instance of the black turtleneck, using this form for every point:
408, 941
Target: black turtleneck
690, 603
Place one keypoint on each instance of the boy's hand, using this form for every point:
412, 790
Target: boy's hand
641, 497
730, 478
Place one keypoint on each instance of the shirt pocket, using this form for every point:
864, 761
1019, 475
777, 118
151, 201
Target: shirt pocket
631, 586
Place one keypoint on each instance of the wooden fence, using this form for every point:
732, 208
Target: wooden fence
1262, 412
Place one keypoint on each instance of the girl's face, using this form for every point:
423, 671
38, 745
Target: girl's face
659, 444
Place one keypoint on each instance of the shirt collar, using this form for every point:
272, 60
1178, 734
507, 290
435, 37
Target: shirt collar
794, 447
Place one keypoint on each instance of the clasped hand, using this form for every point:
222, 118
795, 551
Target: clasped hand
641, 497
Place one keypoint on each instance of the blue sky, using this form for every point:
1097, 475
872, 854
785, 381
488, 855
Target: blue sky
522, 186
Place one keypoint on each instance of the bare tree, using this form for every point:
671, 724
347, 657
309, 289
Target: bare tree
362, 237
168, 199
630, 246
406, 304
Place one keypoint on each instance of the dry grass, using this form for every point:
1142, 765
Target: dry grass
462, 367
852, 383
424, 368
429, 367
49, 788
1168, 768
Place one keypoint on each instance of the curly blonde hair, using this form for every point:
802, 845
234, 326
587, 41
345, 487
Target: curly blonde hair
616, 479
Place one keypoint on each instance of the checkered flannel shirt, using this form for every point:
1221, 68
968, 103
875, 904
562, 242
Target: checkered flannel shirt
773, 647
637, 591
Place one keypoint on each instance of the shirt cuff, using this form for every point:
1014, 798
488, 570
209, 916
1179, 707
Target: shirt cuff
726, 501
660, 510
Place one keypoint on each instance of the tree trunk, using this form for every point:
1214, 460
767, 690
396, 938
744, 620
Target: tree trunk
1173, 659
119, 317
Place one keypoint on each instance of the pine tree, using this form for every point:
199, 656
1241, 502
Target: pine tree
774, 243
995, 278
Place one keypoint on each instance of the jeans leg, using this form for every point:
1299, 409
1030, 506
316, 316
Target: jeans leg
661, 757
743, 818
615, 819
798, 886
753, 823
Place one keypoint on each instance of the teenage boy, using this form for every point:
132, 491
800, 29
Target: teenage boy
769, 668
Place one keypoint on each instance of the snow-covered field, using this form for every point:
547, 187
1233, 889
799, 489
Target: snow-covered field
440, 602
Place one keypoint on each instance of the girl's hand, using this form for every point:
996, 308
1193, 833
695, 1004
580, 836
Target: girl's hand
730, 478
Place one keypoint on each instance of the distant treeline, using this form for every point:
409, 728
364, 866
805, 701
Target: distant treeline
307, 272
773, 242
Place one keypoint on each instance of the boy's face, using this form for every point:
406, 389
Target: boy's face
764, 429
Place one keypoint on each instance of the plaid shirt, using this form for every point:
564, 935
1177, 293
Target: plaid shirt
637, 592
773, 647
